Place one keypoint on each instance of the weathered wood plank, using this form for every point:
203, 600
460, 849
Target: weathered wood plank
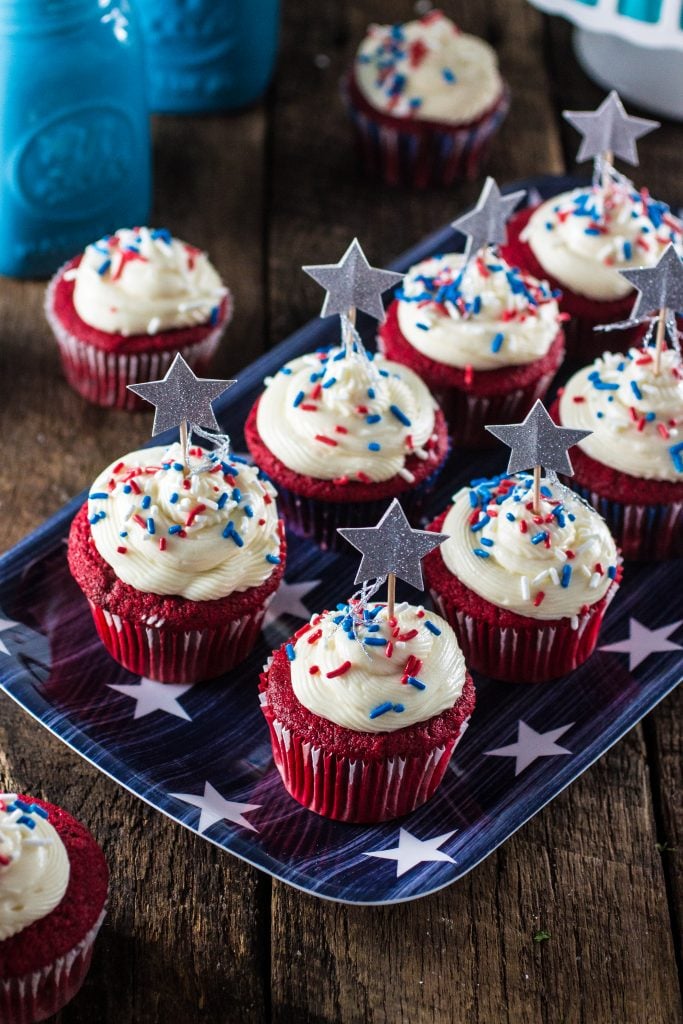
466, 953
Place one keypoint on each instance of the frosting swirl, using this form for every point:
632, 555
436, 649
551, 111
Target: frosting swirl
382, 677
428, 69
486, 316
635, 414
545, 567
583, 239
200, 536
34, 865
143, 281
331, 414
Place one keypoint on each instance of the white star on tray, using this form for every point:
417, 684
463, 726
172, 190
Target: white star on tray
215, 808
643, 642
5, 624
531, 745
288, 600
412, 851
150, 696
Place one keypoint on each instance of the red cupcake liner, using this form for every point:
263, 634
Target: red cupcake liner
102, 376
40, 994
529, 654
177, 656
355, 790
644, 532
407, 151
583, 341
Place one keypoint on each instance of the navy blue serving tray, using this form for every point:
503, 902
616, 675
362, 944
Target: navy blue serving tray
201, 754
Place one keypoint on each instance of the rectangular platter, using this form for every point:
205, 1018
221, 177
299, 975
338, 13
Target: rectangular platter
202, 756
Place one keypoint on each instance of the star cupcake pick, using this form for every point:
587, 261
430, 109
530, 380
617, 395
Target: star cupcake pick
392, 549
538, 443
660, 291
486, 223
182, 400
352, 285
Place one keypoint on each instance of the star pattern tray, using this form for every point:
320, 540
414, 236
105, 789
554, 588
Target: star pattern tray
202, 755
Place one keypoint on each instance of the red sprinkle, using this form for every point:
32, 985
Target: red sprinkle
326, 440
522, 526
140, 521
661, 429
407, 636
364, 478
339, 429
267, 500
121, 550
192, 515
578, 398
314, 636
162, 543
118, 467
389, 650
261, 522
308, 407
313, 670
342, 670
539, 597
469, 375
315, 391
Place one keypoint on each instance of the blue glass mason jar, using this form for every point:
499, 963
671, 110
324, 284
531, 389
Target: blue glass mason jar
208, 54
75, 148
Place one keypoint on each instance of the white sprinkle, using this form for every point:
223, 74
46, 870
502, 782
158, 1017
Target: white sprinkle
71, 275
560, 555
154, 325
407, 475
524, 584
421, 453
553, 576
586, 571
574, 621
541, 576
595, 581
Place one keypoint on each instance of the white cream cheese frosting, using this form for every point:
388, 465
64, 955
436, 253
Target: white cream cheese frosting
428, 69
34, 865
380, 675
143, 281
333, 415
635, 414
582, 239
486, 315
200, 535
548, 566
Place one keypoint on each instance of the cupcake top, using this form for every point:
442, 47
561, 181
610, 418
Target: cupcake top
334, 414
366, 672
583, 239
200, 535
34, 865
427, 69
635, 415
485, 314
143, 281
546, 566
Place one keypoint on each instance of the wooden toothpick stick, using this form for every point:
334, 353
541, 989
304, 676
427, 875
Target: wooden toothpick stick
536, 499
184, 444
391, 594
659, 339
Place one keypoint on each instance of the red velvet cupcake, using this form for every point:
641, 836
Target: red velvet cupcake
122, 310
363, 726
631, 466
340, 434
53, 892
525, 594
579, 241
485, 338
425, 100
178, 568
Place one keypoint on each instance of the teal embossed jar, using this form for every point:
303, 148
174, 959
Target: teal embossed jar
208, 54
74, 133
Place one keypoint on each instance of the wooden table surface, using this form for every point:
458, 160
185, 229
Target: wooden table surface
194, 934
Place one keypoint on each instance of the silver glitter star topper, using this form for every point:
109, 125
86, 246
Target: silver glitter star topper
609, 131
353, 284
660, 291
182, 398
485, 224
538, 443
392, 549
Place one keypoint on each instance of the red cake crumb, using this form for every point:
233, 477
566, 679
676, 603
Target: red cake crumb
102, 586
354, 490
55, 935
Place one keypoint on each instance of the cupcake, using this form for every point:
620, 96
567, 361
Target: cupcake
340, 432
524, 592
425, 100
121, 310
631, 465
485, 337
178, 557
365, 711
53, 891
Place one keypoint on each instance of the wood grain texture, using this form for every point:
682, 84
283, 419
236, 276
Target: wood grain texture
194, 935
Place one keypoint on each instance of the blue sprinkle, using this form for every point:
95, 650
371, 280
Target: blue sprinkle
127, 488
299, 399
497, 342
374, 417
248, 511
487, 542
174, 497
98, 496
417, 683
628, 250
480, 553
291, 653
371, 392
124, 533
650, 416
375, 641
286, 370
566, 575
375, 612
676, 452
538, 537
432, 628
474, 500
448, 75
151, 528
612, 572
546, 492
400, 415
236, 495
25, 820
484, 521
179, 466
423, 327
174, 529
146, 501
104, 267
399, 707
510, 516
636, 390
374, 446
222, 500
381, 709
273, 559
330, 383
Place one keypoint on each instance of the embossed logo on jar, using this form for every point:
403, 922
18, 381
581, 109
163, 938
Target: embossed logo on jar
73, 165
190, 20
